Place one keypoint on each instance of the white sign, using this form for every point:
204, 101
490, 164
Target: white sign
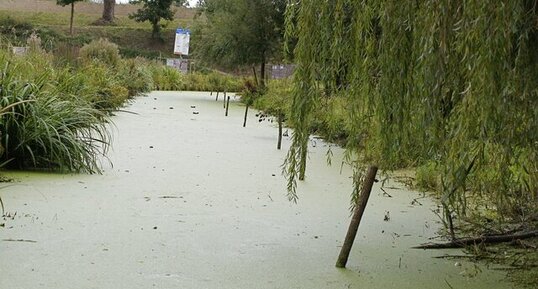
181, 45
20, 50
179, 64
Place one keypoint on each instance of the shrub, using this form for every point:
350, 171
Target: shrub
100, 50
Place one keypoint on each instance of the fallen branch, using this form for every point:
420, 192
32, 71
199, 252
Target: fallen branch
491, 239
19, 240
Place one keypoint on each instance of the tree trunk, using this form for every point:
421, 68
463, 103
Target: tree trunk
280, 121
156, 30
71, 20
262, 74
357, 216
108, 10
255, 76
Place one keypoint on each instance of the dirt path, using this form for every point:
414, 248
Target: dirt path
197, 201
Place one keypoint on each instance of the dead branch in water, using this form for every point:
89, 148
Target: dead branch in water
491, 239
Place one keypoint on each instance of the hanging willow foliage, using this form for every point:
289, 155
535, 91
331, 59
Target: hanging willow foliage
449, 81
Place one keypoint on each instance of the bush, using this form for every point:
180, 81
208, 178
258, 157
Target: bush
100, 50
276, 100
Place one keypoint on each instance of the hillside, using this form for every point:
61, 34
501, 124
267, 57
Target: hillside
20, 18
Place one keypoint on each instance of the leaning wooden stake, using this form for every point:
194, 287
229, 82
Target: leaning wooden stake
279, 143
217, 97
246, 113
224, 100
356, 219
227, 106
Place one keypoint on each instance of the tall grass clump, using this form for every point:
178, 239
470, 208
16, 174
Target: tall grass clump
166, 78
212, 81
106, 90
40, 130
136, 76
102, 51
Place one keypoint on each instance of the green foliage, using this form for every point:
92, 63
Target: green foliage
154, 11
136, 76
166, 78
277, 99
102, 51
55, 116
428, 177
43, 130
66, 2
107, 92
212, 81
449, 82
236, 33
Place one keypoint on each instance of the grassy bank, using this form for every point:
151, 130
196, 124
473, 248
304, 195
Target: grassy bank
18, 19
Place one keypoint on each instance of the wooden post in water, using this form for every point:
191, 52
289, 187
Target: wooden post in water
245, 119
227, 106
224, 100
217, 98
357, 216
279, 143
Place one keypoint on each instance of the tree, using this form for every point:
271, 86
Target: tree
449, 82
72, 3
238, 33
154, 11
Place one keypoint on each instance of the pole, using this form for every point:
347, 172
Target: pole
227, 106
357, 216
279, 142
246, 113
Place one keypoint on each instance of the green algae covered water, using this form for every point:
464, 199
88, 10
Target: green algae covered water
194, 200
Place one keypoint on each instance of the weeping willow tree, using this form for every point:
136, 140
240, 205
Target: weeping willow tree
449, 81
